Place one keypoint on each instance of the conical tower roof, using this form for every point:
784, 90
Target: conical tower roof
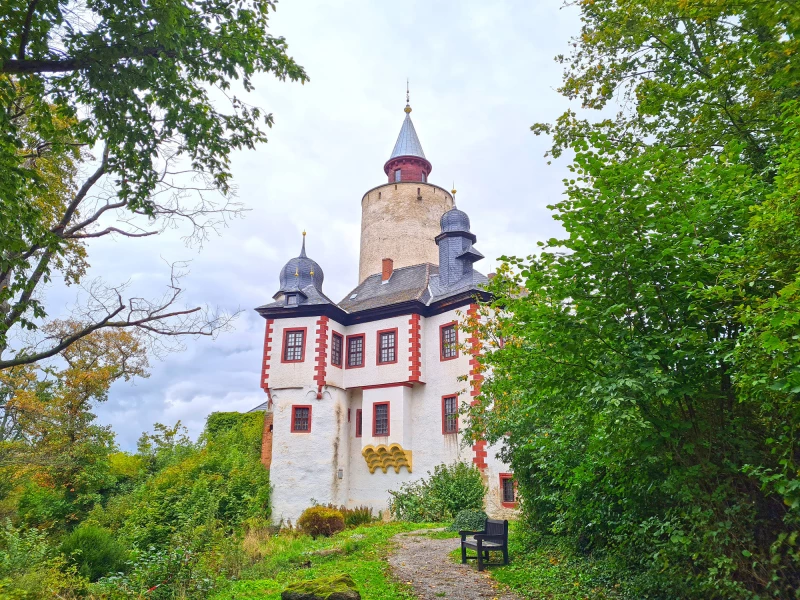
407, 142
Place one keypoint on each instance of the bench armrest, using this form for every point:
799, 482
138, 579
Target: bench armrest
490, 538
464, 534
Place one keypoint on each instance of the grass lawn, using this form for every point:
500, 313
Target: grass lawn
287, 558
542, 570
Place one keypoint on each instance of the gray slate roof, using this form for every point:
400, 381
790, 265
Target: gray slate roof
417, 282
406, 283
407, 142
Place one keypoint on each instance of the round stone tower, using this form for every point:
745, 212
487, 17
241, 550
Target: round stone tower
400, 219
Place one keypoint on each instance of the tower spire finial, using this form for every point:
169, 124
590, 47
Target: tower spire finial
454, 193
407, 109
303, 249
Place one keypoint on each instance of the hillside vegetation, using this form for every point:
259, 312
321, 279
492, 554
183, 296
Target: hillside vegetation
167, 520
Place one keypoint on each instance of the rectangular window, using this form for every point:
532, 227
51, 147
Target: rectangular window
508, 491
293, 345
450, 414
448, 335
291, 299
336, 350
301, 419
358, 422
397, 175
387, 346
355, 351
380, 419
424, 177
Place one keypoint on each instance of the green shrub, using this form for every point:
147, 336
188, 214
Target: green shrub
94, 551
449, 490
469, 520
321, 520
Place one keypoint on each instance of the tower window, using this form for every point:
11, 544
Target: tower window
397, 174
380, 419
336, 350
301, 419
355, 351
448, 335
291, 299
450, 414
387, 346
358, 422
508, 490
293, 345
424, 177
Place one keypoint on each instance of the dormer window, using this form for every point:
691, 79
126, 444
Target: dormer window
291, 300
397, 174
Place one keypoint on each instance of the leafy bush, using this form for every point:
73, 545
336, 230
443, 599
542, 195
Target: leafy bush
94, 551
449, 490
169, 573
321, 520
353, 517
31, 568
469, 520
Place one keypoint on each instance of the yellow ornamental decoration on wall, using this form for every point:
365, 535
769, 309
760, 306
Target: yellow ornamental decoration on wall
383, 456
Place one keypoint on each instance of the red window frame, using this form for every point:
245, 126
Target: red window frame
454, 325
363, 351
375, 420
503, 478
340, 337
444, 413
359, 423
286, 332
294, 414
378, 339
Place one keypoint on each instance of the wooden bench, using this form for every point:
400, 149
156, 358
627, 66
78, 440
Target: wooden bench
493, 538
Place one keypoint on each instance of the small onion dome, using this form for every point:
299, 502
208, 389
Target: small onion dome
301, 272
454, 220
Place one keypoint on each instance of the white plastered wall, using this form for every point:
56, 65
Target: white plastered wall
305, 466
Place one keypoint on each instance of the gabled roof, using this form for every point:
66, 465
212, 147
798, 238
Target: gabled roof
407, 142
406, 283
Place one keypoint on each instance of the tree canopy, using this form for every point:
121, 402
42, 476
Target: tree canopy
646, 378
107, 109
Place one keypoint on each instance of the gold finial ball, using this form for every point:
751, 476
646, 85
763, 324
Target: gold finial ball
304, 233
454, 192
407, 109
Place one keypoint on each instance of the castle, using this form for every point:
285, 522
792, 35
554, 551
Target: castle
364, 394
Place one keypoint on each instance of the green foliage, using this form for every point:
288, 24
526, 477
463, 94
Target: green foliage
31, 568
321, 520
469, 520
94, 551
134, 79
646, 390
446, 492
289, 558
353, 517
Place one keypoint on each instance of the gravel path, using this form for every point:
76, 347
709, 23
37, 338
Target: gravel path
423, 563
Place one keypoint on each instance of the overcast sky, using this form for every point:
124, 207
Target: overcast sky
481, 74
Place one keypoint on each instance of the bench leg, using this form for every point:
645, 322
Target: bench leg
463, 555
480, 557
505, 556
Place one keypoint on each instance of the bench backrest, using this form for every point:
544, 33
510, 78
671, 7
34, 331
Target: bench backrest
495, 528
